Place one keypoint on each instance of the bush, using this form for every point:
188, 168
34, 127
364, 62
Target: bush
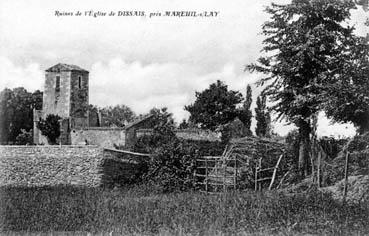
173, 162
50, 127
172, 166
25, 137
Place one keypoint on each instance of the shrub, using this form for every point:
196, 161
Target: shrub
50, 127
25, 137
172, 162
172, 166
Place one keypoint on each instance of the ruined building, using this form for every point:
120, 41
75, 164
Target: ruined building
66, 93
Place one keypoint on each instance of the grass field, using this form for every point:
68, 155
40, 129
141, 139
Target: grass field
137, 212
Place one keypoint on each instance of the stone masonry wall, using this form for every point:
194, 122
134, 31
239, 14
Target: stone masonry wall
51, 165
55, 102
101, 136
79, 99
84, 166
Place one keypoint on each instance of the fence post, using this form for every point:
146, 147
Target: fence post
206, 175
224, 175
318, 168
260, 168
275, 171
256, 177
346, 177
235, 172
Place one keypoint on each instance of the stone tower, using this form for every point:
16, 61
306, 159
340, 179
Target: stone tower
66, 94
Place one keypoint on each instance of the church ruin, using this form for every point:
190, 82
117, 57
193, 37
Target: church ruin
66, 94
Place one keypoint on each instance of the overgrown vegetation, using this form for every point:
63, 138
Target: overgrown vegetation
137, 211
358, 160
173, 160
50, 127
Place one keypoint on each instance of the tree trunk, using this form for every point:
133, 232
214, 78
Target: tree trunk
304, 131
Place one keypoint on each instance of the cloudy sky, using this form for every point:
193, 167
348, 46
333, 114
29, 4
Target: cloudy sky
139, 61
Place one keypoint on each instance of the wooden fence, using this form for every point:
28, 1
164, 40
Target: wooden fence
223, 173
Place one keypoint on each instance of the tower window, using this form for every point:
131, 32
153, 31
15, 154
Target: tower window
79, 82
57, 84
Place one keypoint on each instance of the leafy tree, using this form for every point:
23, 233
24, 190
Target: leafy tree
5, 114
347, 99
263, 119
16, 112
36, 100
307, 44
245, 113
50, 127
214, 106
118, 115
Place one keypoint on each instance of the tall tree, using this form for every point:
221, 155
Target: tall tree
215, 106
245, 114
6, 96
16, 112
262, 116
118, 115
307, 43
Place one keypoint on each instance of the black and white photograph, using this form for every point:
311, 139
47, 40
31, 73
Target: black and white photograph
184, 118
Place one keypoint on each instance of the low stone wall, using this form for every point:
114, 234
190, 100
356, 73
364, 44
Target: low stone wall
101, 136
50, 165
87, 166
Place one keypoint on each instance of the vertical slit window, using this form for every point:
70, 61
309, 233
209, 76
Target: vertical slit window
79, 82
57, 84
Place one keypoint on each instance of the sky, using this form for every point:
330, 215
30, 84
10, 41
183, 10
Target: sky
141, 62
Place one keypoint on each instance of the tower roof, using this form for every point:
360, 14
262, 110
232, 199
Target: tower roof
65, 67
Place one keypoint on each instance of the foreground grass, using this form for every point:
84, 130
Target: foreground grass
134, 212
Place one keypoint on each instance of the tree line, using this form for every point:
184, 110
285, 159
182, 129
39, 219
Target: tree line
214, 109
